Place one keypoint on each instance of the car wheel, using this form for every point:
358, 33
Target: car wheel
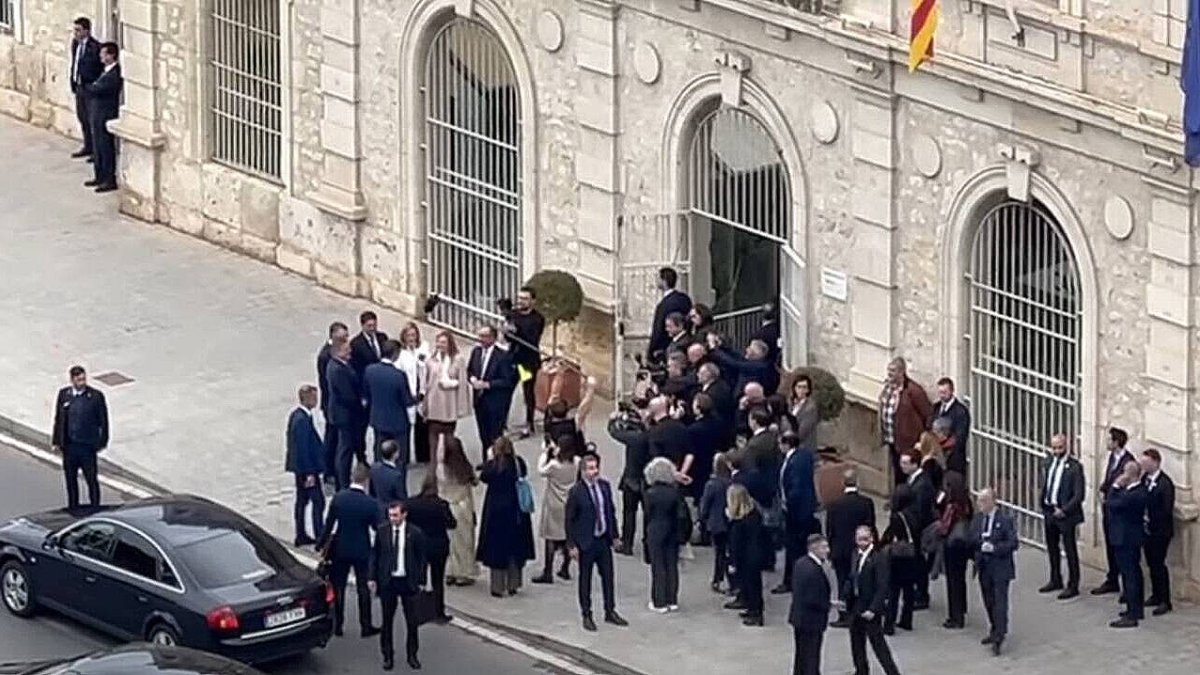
163, 635
16, 589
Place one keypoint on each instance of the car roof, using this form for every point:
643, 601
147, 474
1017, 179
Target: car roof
179, 520
143, 659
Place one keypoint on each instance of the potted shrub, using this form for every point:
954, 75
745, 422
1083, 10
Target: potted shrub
831, 399
559, 299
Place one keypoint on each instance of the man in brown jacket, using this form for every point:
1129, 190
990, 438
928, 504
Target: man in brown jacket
904, 409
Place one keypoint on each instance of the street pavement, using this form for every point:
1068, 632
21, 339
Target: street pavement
216, 345
28, 486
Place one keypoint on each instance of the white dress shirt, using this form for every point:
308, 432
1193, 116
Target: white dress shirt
1056, 474
398, 532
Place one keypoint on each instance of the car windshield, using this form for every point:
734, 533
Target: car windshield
234, 557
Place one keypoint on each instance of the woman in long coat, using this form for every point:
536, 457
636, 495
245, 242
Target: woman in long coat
505, 531
456, 484
447, 394
559, 466
663, 504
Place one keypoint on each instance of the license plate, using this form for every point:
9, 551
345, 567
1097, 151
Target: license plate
281, 618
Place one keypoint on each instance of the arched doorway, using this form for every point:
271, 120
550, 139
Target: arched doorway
1024, 339
472, 186
738, 186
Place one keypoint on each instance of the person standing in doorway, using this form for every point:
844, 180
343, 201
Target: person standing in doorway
528, 324
1063, 489
1160, 528
993, 543
305, 460
103, 105
337, 332
904, 410
812, 596
1118, 457
85, 68
80, 434
591, 519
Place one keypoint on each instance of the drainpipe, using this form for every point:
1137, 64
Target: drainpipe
1018, 35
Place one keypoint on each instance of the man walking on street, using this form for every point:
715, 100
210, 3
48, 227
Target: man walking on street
388, 479
397, 573
993, 542
1118, 457
338, 331
811, 602
352, 517
305, 461
1063, 489
1160, 528
85, 68
103, 105
80, 434
591, 520
866, 592
799, 495
389, 396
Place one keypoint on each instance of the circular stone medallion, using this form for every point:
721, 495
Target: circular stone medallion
550, 31
824, 122
647, 63
1118, 217
927, 156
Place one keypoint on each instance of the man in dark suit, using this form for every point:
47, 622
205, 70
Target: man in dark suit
809, 613
753, 366
1160, 528
724, 404
769, 332
104, 104
993, 543
352, 517
305, 460
636, 439
799, 495
337, 331
432, 515
1126, 508
591, 521
346, 411
667, 436
85, 68
389, 398
673, 302
678, 338
1062, 513
528, 324
865, 593
397, 573
1118, 457
367, 347
388, 479
843, 517
491, 373
80, 434
955, 411
925, 494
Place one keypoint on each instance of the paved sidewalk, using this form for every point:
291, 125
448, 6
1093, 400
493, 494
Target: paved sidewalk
216, 345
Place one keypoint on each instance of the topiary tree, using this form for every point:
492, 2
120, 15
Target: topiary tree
559, 298
827, 391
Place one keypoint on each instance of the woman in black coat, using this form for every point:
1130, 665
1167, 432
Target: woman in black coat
505, 531
746, 553
431, 514
905, 569
661, 523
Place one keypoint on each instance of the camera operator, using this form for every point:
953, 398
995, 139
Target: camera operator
754, 366
524, 329
627, 426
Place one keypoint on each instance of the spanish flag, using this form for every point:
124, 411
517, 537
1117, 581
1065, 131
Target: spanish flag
925, 15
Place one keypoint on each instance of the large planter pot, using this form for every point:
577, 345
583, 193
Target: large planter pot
570, 387
829, 478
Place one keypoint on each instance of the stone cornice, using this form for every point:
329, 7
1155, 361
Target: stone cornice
137, 132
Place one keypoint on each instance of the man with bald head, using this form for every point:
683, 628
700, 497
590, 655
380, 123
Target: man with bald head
668, 436
1126, 510
753, 366
1062, 513
993, 543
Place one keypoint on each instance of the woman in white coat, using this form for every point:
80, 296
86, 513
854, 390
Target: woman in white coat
559, 465
413, 354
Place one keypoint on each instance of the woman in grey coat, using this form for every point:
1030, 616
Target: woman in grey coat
559, 465
663, 507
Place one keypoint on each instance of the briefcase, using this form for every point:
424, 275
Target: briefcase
424, 608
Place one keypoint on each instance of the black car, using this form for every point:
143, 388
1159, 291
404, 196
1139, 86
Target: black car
174, 570
139, 659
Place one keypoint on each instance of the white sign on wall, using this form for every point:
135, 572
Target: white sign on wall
833, 284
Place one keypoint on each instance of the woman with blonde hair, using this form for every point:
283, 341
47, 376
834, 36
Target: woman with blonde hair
447, 394
933, 458
746, 553
456, 484
664, 513
413, 355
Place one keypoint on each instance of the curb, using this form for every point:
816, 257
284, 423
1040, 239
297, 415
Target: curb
557, 655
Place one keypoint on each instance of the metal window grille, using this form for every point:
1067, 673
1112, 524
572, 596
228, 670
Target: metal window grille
1024, 345
8, 15
246, 110
473, 204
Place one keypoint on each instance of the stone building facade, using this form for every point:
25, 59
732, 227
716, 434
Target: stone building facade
1015, 214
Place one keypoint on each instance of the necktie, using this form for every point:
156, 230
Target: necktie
989, 525
375, 346
599, 502
396, 546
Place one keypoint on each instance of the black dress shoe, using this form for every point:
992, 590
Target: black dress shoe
615, 619
414, 663
1104, 589
1051, 587
920, 605
951, 624
987, 640
388, 663
840, 623
889, 630
1068, 594
904, 626
106, 187
337, 631
304, 541
443, 619
589, 624
753, 621
564, 574
734, 604
371, 631
1162, 609
1124, 622
623, 550
542, 579
91, 183
91, 160
781, 589
82, 152
996, 647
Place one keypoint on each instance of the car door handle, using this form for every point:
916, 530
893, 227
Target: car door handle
142, 598
90, 579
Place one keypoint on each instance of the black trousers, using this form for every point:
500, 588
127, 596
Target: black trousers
1129, 561
898, 476
795, 542
437, 580
331, 446
995, 601
77, 458
552, 546
630, 500
862, 631
490, 427
600, 558
339, 574
808, 651
902, 590
1156, 548
750, 587
304, 497
720, 543
351, 446
956, 583
1062, 538
104, 150
1113, 576
664, 573
921, 594
85, 120
420, 441
390, 599
529, 393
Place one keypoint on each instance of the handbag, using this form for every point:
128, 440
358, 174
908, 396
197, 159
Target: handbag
525, 495
904, 550
424, 608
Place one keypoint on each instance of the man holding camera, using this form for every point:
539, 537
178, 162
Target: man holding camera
526, 328
628, 427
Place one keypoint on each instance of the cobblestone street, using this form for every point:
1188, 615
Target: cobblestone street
216, 344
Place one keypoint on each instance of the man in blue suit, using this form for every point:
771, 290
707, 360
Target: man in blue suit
591, 527
1125, 507
388, 477
673, 302
353, 515
306, 460
492, 375
994, 541
388, 396
346, 411
80, 434
752, 367
799, 504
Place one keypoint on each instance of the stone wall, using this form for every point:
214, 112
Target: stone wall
35, 65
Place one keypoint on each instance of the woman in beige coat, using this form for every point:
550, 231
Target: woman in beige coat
447, 395
456, 484
559, 465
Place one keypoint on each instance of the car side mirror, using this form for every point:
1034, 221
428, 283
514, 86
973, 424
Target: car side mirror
51, 541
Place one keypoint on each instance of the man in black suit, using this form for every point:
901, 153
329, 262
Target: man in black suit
1062, 513
769, 332
591, 521
346, 411
388, 480
724, 404
673, 302
85, 68
528, 324
993, 543
389, 398
865, 592
1118, 457
678, 338
843, 517
352, 517
80, 434
491, 373
1160, 528
397, 573
367, 347
305, 460
338, 331
104, 104
925, 494
955, 411
636, 439
1126, 509
811, 602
